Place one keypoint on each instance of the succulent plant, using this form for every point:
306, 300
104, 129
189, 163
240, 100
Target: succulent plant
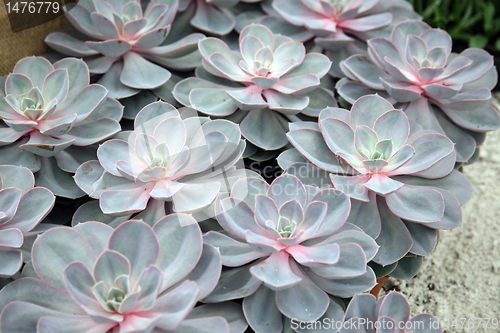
262, 88
289, 247
22, 208
390, 313
127, 43
45, 111
92, 278
342, 27
401, 178
166, 158
442, 91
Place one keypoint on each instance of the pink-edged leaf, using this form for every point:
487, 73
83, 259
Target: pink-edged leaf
353, 186
136, 199
304, 301
382, 184
285, 103
247, 98
175, 305
234, 253
142, 253
275, 272
419, 204
315, 256
110, 48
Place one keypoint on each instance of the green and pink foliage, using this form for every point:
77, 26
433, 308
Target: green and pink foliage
22, 208
401, 179
261, 86
391, 313
127, 43
50, 116
442, 91
289, 247
135, 278
166, 158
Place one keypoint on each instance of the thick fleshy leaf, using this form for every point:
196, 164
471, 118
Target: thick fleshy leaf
263, 129
73, 324
109, 266
248, 98
175, 305
112, 201
365, 71
79, 282
346, 287
142, 253
285, 103
12, 260
310, 144
194, 197
394, 240
97, 234
275, 272
351, 263
33, 207
382, 184
180, 242
417, 204
429, 148
304, 301
56, 249
261, 311
139, 73
233, 252
229, 311
212, 19
36, 68
235, 283
212, 101
353, 186
424, 239
207, 272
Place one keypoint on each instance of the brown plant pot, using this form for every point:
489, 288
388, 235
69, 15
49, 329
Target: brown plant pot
380, 282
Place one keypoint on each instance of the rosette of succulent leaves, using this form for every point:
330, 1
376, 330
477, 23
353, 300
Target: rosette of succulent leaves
440, 90
390, 312
184, 163
92, 278
289, 252
262, 86
22, 208
401, 179
133, 44
50, 119
340, 27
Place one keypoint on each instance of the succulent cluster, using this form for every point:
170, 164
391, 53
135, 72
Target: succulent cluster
442, 91
46, 112
264, 85
399, 176
97, 280
304, 249
260, 203
165, 158
127, 43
